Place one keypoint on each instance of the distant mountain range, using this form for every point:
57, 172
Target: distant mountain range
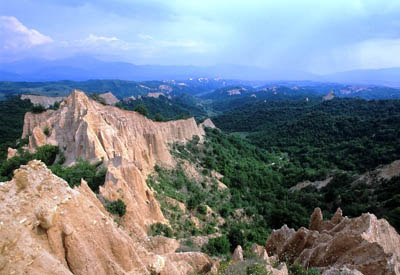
81, 68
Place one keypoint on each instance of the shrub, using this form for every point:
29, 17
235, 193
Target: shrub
37, 109
257, 269
46, 153
117, 207
83, 169
61, 158
202, 209
235, 237
46, 131
160, 229
297, 269
55, 106
158, 117
218, 246
141, 109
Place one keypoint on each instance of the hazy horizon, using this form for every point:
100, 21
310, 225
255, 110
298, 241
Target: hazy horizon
307, 36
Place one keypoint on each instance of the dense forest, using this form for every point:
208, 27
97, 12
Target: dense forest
164, 108
320, 136
12, 112
256, 181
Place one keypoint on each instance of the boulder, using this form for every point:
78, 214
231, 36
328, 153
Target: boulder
237, 254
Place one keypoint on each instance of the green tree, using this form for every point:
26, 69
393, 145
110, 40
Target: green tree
117, 207
141, 109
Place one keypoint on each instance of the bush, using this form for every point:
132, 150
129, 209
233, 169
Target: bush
55, 106
37, 109
160, 229
46, 154
158, 117
257, 269
117, 207
141, 109
83, 169
297, 269
218, 246
235, 237
202, 209
46, 131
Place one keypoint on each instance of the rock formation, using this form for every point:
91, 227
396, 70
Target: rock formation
237, 254
155, 95
109, 98
45, 101
329, 96
11, 152
208, 123
364, 244
92, 131
48, 228
128, 143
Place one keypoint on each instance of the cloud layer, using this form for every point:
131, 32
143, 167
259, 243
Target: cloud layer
309, 35
16, 36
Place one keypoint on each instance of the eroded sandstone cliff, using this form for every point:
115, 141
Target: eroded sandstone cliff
128, 143
48, 228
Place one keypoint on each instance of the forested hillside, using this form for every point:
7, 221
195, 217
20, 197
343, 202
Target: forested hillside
12, 112
319, 136
164, 108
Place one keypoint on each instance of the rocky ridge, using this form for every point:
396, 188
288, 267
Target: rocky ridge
48, 228
128, 143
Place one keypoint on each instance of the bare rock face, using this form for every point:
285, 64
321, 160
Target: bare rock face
125, 181
48, 228
260, 252
11, 152
45, 101
155, 95
109, 98
238, 254
207, 123
331, 95
128, 143
364, 244
92, 131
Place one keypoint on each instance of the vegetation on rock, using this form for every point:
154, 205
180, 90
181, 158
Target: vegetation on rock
117, 207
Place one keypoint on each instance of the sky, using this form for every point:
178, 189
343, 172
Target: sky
318, 36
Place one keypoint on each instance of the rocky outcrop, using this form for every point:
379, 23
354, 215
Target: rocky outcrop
331, 95
45, 101
317, 184
237, 254
128, 143
109, 98
48, 228
364, 244
92, 131
11, 152
155, 95
207, 123
384, 173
